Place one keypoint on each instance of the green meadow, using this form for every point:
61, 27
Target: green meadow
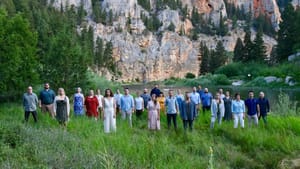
84, 144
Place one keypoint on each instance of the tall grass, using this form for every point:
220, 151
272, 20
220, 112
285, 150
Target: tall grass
84, 144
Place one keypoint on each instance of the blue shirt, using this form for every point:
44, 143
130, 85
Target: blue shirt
30, 101
146, 97
47, 96
201, 92
195, 98
206, 99
264, 106
126, 103
238, 106
171, 105
117, 98
251, 106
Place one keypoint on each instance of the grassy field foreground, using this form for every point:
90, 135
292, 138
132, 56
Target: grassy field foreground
84, 144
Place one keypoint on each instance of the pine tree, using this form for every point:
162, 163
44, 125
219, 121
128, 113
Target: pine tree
218, 57
205, 59
222, 29
238, 51
98, 56
248, 46
286, 34
259, 49
108, 58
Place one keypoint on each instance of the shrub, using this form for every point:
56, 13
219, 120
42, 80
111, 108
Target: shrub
285, 106
190, 75
230, 70
220, 79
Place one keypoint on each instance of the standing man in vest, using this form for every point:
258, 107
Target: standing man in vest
47, 97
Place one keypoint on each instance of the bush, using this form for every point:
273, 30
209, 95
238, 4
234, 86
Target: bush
230, 70
220, 79
285, 106
190, 75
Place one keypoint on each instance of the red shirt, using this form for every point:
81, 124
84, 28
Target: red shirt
91, 105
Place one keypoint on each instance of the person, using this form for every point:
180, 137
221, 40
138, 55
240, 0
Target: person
161, 100
139, 105
238, 110
146, 97
78, 102
200, 91
227, 105
30, 102
195, 98
91, 104
127, 106
222, 95
47, 97
62, 107
99, 97
252, 107
187, 112
217, 110
109, 111
155, 91
179, 99
206, 99
264, 107
153, 108
171, 107
117, 98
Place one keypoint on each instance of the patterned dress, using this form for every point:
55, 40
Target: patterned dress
78, 104
153, 122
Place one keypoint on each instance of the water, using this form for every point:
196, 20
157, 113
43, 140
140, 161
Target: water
271, 94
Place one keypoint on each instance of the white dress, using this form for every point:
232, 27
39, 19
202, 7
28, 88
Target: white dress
109, 120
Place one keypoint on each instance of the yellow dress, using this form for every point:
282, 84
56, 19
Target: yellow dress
161, 101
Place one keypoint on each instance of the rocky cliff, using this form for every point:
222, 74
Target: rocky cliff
146, 56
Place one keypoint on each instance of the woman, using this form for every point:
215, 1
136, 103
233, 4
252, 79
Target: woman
139, 105
78, 102
99, 97
161, 100
227, 104
91, 104
217, 110
62, 107
238, 110
109, 111
153, 108
188, 112
179, 99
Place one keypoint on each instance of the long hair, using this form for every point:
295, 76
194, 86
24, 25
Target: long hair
111, 93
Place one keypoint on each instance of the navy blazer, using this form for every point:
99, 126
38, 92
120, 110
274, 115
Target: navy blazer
183, 112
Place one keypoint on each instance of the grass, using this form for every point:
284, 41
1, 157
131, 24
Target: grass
84, 144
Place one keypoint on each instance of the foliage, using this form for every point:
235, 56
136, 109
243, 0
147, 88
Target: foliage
238, 51
285, 107
205, 59
248, 47
84, 144
259, 49
230, 70
218, 57
145, 4
171, 27
99, 14
18, 54
190, 75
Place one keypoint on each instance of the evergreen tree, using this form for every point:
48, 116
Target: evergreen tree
259, 49
98, 57
195, 17
248, 46
238, 51
108, 58
222, 29
218, 57
205, 59
286, 34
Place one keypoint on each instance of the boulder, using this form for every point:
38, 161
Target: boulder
270, 79
237, 83
295, 56
290, 164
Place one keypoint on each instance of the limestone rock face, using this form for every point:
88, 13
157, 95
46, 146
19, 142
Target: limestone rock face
87, 4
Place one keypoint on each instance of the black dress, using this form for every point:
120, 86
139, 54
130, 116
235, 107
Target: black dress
61, 111
227, 106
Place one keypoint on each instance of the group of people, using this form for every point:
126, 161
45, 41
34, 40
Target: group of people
97, 106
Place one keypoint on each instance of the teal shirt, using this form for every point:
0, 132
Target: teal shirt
30, 102
47, 96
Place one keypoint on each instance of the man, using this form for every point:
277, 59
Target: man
264, 107
155, 91
47, 97
200, 91
206, 99
171, 107
146, 97
195, 98
30, 102
127, 106
117, 98
252, 107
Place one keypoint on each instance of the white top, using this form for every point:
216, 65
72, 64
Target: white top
139, 103
99, 97
109, 103
214, 108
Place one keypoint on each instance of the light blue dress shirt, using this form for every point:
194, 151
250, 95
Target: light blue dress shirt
238, 106
126, 103
171, 105
195, 98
